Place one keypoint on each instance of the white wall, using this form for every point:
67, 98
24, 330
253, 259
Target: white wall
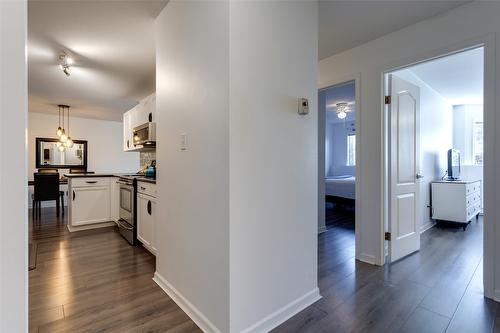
430, 38
238, 232
436, 137
273, 161
463, 118
336, 139
192, 97
13, 218
105, 142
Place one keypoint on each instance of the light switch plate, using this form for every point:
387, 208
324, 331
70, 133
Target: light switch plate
184, 145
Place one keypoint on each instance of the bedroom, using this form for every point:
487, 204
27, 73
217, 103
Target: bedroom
338, 104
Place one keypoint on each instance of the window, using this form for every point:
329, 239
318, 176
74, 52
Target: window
351, 150
477, 143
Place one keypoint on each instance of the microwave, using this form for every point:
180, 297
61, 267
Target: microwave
145, 135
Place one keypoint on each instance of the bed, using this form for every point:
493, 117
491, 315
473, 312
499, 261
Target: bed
340, 189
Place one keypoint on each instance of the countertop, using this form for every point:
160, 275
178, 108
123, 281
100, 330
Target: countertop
88, 175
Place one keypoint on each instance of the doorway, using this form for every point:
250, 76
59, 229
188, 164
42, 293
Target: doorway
434, 152
338, 128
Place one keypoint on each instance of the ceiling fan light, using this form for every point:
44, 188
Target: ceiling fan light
341, 115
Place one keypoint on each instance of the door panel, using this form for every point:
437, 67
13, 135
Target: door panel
406, 114
403, 168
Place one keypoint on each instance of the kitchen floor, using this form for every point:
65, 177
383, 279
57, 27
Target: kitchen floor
438, 289
94, 281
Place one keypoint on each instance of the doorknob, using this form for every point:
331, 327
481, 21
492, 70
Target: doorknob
419, 176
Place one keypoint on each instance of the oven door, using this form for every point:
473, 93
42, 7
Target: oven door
127, 204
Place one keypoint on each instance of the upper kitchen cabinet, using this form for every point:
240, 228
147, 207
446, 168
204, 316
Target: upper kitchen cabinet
146, 110
142, 113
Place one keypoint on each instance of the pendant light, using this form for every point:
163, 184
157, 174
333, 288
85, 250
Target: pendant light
69, 141
59, 129
63, 136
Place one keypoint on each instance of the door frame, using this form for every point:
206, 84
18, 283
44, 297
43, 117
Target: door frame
489, 87
356, 78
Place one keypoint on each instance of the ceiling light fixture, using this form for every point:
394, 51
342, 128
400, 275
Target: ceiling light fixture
65, 140
59, 129
342, 109
65, 61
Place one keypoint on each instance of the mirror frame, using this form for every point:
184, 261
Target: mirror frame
64, 166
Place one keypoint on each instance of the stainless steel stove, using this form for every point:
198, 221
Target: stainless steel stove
126, 223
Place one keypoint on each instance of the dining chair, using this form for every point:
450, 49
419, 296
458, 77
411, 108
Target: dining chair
46, 188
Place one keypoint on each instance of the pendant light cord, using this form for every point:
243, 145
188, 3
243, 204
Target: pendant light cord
68, 119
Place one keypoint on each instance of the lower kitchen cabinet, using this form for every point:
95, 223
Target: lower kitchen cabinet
89, 205
146, 221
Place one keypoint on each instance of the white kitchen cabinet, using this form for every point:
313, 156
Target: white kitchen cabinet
127, 131
146, 221
89, 205
142, 113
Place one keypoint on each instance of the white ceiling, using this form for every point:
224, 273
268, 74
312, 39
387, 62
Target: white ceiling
346, 24
113, 45
458, 78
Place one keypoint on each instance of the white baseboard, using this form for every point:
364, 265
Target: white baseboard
322, 229
368, 258
427, 226
497, 295
91, 226
284, 313
196, 315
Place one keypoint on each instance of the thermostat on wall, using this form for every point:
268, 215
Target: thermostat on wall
303, 106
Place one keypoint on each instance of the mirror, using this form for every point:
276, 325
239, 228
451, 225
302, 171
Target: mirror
49, 156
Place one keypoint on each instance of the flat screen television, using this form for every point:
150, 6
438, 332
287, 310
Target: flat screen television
453, 164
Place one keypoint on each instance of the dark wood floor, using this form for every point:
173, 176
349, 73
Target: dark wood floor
438, 289
94, 281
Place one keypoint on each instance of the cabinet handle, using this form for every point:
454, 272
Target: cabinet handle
149, 207
150, 117
128, 143
91, 181
73, 195
143, 188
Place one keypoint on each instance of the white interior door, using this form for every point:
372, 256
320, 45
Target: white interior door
403, 168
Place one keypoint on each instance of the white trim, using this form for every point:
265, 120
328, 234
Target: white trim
283, 314
196, 315
496, 296
367, 258
91, 226
427, 226
357, 184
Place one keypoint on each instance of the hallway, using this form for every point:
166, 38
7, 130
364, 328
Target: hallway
438, 289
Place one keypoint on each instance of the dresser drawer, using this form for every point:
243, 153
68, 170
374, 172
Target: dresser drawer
90, 181
146, 188
473, 199
473, 187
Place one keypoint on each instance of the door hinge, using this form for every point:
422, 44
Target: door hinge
387, 99
387, 236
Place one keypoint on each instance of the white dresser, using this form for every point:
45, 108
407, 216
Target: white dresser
456, 201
